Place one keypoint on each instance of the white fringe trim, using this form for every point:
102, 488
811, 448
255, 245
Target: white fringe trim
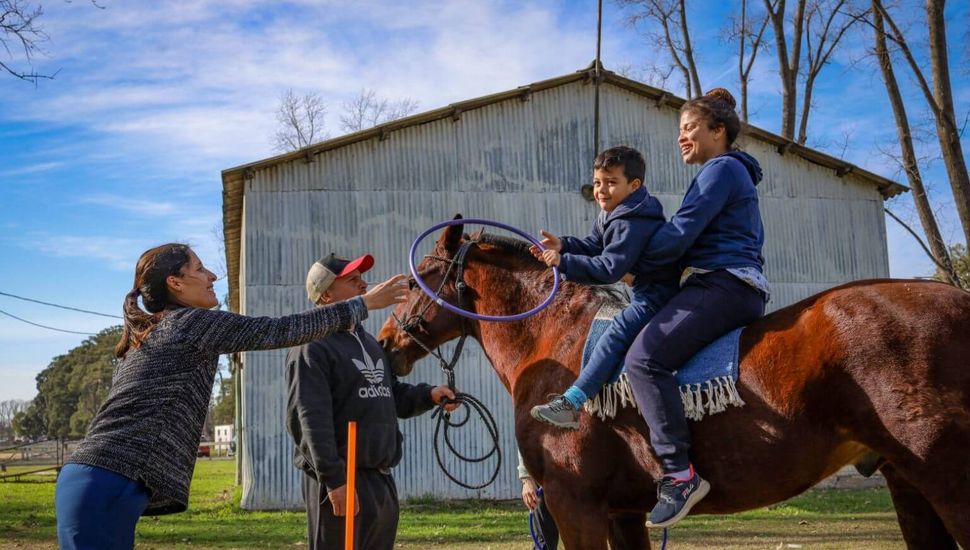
711, 397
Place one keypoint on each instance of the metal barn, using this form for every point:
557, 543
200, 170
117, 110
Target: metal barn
519, 157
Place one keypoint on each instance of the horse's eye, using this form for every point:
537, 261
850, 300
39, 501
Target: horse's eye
412, 283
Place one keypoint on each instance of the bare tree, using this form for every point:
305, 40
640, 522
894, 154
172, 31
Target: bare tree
301, 120
367, 110
939, 99
907, 157
650, 74
674, 36
21, 34
788, 62
826, 23
749, 33
8, 410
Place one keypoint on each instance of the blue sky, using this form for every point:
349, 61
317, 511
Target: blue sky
123, 150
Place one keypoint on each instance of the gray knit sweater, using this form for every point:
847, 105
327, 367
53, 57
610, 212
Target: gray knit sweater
149, 426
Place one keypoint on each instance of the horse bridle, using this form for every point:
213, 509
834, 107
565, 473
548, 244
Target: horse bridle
445, 422
411, 322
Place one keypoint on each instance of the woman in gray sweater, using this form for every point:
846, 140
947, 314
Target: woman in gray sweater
139, 453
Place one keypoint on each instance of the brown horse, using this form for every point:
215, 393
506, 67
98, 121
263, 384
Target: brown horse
873, 372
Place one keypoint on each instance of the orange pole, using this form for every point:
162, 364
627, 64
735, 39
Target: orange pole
351, 485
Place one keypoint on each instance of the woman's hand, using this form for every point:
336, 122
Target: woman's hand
441, 393
529, 495
390, 292
549, 242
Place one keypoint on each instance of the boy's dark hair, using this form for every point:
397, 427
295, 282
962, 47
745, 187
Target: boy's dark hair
634, 167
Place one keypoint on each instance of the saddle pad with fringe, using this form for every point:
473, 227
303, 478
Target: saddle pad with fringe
707, 380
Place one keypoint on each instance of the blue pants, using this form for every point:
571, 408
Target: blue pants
606, 361
706, 308
97, 509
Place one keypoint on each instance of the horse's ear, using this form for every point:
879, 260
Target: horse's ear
450, 238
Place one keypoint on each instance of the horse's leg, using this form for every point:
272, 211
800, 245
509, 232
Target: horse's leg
921, 526
583, 525
927, 448
628, 531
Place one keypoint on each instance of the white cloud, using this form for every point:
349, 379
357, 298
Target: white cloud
135, 206
117, 252
196, 83
31, 169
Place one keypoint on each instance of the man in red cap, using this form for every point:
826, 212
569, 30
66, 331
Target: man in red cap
337, 379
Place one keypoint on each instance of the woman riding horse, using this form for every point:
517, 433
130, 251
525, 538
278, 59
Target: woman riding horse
872, 373
717, 236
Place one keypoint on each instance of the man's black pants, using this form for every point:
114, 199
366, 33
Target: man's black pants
375, 527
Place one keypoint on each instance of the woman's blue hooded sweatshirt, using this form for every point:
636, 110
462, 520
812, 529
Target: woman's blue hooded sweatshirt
616, 244
718, 225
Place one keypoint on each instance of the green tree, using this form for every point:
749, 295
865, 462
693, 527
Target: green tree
961, 266
224, 411
71, 389
31, 423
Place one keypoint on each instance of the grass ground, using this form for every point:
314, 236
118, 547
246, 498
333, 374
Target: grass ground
834, 519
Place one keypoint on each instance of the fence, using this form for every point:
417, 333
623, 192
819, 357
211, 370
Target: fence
40, 458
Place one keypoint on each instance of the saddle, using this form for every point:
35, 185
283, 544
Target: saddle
706, 381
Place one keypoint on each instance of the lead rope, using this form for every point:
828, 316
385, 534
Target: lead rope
444, 418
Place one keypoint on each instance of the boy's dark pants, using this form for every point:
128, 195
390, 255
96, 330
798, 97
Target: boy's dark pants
708, 306
375, 527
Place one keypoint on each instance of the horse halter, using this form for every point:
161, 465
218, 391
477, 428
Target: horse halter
411, 322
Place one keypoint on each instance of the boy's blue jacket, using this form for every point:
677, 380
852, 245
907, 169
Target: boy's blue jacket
718, 224
616, 244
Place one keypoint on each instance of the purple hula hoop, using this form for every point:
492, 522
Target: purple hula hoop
501, 318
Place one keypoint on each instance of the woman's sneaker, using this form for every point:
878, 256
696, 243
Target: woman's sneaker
558, 412
675, 498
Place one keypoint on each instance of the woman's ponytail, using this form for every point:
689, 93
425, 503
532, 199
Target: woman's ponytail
153, 269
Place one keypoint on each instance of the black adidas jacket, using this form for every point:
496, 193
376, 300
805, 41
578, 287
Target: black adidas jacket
331, 382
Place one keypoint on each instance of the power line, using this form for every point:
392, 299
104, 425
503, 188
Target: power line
45, 326
60, 306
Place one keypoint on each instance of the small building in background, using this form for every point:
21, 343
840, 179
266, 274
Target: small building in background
223, 433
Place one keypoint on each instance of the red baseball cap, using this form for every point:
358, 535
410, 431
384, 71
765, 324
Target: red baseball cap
328, 269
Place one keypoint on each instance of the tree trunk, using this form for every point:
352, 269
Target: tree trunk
946, 128
806, 110
788, 64
689, 52
744, 100
927, 219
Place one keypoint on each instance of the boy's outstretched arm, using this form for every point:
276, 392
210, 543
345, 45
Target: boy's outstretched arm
626, 242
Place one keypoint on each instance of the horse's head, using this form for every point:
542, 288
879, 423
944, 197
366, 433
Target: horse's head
420, 325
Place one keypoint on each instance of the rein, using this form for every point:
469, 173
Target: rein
445, 423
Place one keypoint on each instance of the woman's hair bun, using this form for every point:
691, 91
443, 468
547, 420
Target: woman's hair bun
722, 95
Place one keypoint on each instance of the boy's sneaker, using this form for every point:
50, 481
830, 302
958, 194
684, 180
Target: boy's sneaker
675, 498
558, 412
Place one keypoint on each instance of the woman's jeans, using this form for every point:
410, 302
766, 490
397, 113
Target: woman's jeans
97, 508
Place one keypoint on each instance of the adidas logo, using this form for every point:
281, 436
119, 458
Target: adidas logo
373, 391
373, 373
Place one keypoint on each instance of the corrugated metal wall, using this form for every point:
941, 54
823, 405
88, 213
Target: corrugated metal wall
521, 163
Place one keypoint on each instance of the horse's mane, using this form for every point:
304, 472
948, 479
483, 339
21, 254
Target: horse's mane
518, 249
